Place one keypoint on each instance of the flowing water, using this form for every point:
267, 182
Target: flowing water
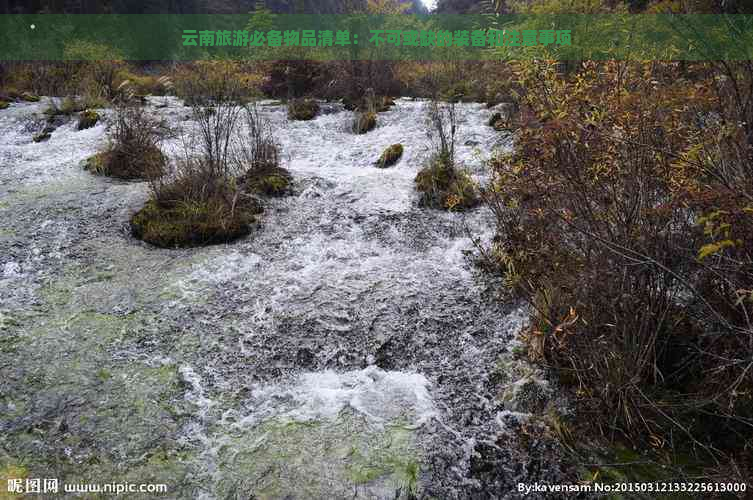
346, 349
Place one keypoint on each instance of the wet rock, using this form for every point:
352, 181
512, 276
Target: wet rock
385, 355
45, 134
305, 358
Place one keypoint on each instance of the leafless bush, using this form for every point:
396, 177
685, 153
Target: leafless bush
134, 149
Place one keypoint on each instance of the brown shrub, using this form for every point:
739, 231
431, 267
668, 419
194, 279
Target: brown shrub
624, 219
134, 148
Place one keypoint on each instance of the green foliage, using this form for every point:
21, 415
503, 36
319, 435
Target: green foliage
390, 156
262, 19
96, 164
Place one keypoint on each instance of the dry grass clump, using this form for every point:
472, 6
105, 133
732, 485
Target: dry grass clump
133, 151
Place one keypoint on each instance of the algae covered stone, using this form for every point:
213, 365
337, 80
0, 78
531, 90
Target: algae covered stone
4, 104
390, 156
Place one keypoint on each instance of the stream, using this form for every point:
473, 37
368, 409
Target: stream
347, 348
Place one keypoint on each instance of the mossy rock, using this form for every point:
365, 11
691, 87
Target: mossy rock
443, 186
189, 223
118, 163
390, 156
87, 119
269, 181
29, 97
4, 104
364, 122
303, 109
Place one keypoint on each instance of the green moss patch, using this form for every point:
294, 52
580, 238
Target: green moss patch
4, 104
268, 180
188, 223
303, 109
390, 156
443, 186
29, 97
87, 119
281, 458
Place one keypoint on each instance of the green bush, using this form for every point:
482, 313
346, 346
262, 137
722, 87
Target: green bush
390, 156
